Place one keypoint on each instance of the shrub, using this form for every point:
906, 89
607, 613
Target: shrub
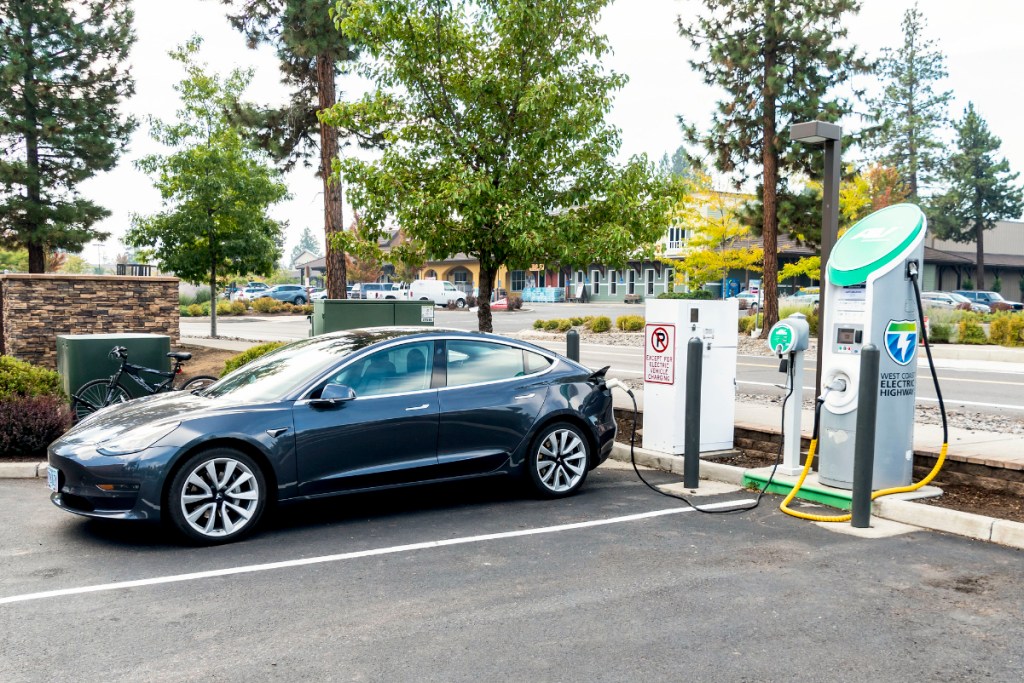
202, 295
551, 325
970, 331
564, 325
968, 283
997, 285
600, 324
306, 309
185, 300
940, 334
576, 322
538, 324
19, 379
695, 294
288, 308
630, 323
29, 423
223, 308
195, 310
471, 301
745, 324
183, 312
239, 308
1007, 329
266, 305
515, 302
253, 353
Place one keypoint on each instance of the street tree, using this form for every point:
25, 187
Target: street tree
779, 62
216, 188
496, 145
910, 109
310, 51
981, 189
307, 242
63, 74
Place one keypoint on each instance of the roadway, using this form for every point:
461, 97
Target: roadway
987, 387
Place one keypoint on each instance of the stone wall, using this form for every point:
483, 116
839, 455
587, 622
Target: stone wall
34, 309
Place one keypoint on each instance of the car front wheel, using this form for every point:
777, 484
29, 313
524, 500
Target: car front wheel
217, 496
299, 301
558, 460
460, 303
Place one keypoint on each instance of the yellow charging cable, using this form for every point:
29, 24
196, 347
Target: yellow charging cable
881, 492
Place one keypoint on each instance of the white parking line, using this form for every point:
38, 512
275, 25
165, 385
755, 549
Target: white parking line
248, 569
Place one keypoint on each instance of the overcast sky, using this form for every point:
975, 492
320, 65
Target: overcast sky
981, 40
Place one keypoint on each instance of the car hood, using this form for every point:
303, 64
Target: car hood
170, 407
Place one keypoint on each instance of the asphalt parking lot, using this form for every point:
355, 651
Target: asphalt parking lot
479, 582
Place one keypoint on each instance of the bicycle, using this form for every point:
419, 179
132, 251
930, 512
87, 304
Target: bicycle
100, 393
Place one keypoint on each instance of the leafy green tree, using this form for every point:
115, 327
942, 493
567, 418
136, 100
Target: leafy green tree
13, 260
62, 77
306, 243
311, 51
216, 188
778, 61
981, 189
76, 264
910, 109
493, 114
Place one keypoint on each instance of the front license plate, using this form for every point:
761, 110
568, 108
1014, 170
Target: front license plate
51, 478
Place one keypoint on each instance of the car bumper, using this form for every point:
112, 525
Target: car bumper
132, 484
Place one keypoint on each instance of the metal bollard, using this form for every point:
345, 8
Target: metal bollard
691, 424
572, 345
864, 447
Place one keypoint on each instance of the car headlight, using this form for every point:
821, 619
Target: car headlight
135, 440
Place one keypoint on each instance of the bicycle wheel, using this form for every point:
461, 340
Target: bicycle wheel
92, 396
198, 382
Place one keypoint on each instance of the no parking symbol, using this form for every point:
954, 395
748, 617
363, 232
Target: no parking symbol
659, 353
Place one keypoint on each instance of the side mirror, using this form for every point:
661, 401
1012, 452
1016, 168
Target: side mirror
333, 394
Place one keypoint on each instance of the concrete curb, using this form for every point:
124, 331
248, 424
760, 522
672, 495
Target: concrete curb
22, 470
980, 527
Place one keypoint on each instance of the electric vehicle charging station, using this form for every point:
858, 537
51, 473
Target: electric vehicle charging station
671, 324
870, 299
788, 339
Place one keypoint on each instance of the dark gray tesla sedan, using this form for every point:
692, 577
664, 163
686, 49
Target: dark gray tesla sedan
345, 412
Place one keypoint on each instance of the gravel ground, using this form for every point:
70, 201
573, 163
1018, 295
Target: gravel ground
962, 418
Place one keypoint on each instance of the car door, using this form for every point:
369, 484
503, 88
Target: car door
386, 435
492, 397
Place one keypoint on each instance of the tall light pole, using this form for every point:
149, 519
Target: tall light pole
829, 134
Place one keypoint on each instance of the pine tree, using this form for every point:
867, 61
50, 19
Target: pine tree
981, 189
778, 62
310, 50
306, 243
909, 109
62, 77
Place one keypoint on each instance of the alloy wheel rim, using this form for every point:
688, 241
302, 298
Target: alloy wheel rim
219, 497
561, 460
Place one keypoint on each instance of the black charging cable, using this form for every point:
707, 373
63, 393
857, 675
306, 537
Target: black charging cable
716, 511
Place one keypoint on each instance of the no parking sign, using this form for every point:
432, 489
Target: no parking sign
659, 353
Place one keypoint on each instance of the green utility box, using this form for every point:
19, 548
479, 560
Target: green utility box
85, 357
331, 315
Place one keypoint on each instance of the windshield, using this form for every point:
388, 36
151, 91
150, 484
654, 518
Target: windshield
959, 298
276, 375
996, 296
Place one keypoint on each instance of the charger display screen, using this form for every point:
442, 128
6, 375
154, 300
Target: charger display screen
845, 335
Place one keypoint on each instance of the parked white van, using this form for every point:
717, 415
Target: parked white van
441, 292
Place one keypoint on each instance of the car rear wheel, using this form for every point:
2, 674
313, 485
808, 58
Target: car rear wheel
217, 496
559, 460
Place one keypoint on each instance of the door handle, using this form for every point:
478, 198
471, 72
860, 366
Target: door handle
524, 396
422, 407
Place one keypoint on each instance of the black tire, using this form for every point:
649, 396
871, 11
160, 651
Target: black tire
460, 303
423, 298
299, 301
559, 460
219, 508
198, 382
92, 396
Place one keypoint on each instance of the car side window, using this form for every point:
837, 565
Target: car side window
472, 362
535, 362
397, 370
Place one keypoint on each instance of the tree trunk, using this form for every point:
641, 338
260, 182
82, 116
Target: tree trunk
979, 272
483, 314
33, 189
337, 277
770, 230
213, 298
